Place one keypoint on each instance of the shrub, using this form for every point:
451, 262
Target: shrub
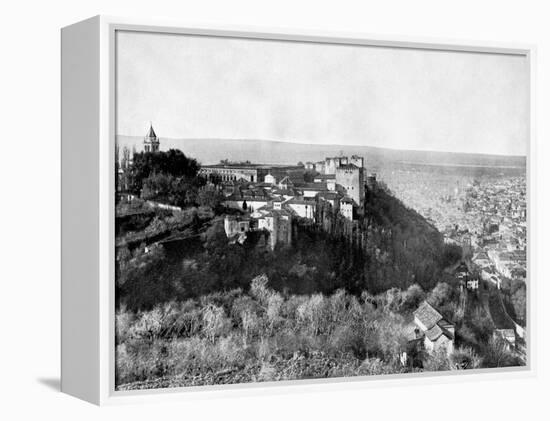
393, 300
123, 321
274, 304
310, 314
412, 297
148, 326
497, 354
464, 358
214, 322
260, 290
437, 361
348, 339
441, 295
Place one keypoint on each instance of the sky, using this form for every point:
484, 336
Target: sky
214, 87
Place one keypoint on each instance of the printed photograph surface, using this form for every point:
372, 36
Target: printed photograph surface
299, 210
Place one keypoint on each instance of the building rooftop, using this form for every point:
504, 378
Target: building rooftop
427, 315
325, 177
348, 167
329, 195
314, 186
300, 201
250, 165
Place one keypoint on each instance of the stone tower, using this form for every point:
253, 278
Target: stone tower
151, 142
351, 178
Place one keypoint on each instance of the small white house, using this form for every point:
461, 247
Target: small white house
346, 208
303, 208
269, 179
438, 332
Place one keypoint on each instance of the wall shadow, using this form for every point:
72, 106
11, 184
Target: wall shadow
53, 383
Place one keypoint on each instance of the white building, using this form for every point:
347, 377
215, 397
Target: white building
346, 208
270, 179
438, 332
303, 208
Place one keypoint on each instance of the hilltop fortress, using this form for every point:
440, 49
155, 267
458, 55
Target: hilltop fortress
272, 196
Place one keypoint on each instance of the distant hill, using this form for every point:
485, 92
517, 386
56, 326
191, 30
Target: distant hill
211, 151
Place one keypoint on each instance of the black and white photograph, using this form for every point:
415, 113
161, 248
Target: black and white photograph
300, 210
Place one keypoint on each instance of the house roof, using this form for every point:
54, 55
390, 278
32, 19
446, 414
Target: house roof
348, 167
269, 211
434, 322
286, 180
300, 201
412, 332
314, 186
284, 192
427, 315
436, 331
328, 195
325, 177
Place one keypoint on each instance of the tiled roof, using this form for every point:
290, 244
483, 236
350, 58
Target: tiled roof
348, 167
427, 315
301, 201
314, 186
329, 195
437, 330
286, 180
412, 332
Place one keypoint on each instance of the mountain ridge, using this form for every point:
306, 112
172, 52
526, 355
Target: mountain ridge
212, 150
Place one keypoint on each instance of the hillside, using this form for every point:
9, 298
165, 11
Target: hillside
401, 248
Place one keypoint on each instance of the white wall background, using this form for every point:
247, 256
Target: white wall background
29, 177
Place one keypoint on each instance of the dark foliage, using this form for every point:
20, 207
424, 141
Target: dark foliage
403, 248
173, 163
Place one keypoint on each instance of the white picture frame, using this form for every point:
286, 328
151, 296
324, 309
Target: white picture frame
88, 135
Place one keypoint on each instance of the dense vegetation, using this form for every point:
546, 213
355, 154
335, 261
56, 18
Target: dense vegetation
167, 177
264, 335
172, 163
402, 248
202, 260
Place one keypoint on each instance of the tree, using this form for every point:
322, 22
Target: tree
497, 354
518, 298
165, 188
173, 163
464, 358
412, 297
142, 282
441, 295
210, 197
309, 175
437, 361
452, 253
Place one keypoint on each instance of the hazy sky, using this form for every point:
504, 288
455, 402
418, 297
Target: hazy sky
209, 87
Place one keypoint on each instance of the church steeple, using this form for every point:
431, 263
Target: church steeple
151, 142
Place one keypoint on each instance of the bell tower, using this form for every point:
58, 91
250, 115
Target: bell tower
151, 142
